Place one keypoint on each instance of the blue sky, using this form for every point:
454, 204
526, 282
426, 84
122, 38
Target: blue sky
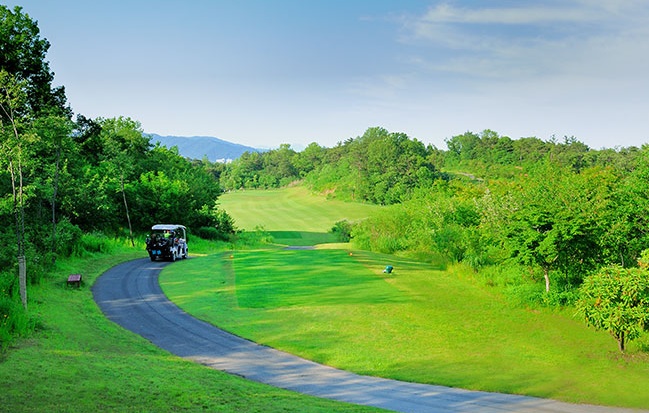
262, 73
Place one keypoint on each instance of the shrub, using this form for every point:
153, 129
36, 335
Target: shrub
94, 242
566, 296
342, 230
525, 294
615, 299
68, 236
211, 233
249, 239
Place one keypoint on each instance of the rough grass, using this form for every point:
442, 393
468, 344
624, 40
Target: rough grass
81, 362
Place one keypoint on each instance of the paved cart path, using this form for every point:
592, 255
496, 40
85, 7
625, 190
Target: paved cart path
130, 295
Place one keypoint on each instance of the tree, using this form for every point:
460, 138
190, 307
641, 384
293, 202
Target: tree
529, 150
124, 146
557, 223
571, 152
310, 158
616, 299
12, 97
26, 94
463, 147
627, 233
55, 132
22, 54
158, 198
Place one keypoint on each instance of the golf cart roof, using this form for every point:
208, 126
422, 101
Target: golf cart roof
167, 227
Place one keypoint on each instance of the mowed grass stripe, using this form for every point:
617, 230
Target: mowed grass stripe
277, 279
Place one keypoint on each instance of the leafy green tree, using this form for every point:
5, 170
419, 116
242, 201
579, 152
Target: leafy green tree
627, 218
55, 135
158, 198
26, 93
494, 149
88, 141
22, 54
14, 141
378, 167
571, 153
616, 300
243, 172
90, 198
384, 232
124, 146
171, 189
342, 230
444, 219
463, 147
529, 150
278, 168
214, 223
555, 222
309, 159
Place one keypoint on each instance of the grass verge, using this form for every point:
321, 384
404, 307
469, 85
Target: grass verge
79, 361
417, 324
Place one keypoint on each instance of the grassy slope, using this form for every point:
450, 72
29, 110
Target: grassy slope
81, 362
419, 324
293, 216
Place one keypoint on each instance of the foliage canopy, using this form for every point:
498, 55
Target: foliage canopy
616, 300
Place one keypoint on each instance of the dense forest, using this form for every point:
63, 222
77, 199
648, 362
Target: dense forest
539, 216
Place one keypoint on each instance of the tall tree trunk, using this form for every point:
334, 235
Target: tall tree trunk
54, 193
16, 168
19, 216
622, 258
546, 275
128, 216
22, 279
621, 341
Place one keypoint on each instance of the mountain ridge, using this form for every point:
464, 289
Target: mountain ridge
199, 147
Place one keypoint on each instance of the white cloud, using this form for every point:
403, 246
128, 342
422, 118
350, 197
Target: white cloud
589, 39
445, 13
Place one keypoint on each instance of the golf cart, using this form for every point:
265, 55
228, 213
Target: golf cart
167, 242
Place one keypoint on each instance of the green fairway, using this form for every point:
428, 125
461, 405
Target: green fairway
293, 216
417, 324
422, 323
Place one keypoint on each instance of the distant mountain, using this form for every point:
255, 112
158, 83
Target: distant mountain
197, 147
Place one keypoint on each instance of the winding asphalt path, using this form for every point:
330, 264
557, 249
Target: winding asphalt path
130, 295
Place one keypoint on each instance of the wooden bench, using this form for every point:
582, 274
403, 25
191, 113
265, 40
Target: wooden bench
75, 280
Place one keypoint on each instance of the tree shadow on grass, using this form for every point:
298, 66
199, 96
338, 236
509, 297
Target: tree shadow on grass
302, 238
